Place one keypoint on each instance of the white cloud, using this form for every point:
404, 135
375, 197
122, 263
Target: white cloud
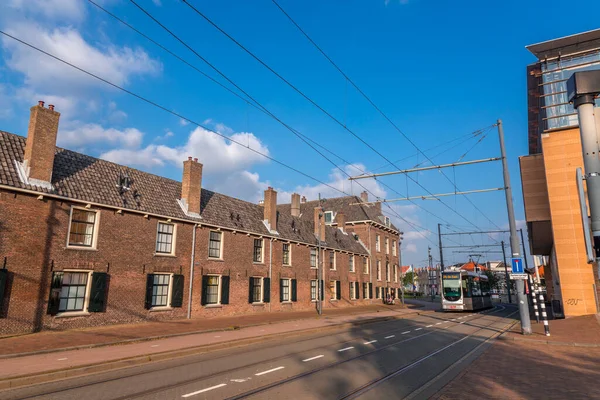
70, 10
6, 110
77, 135
183, 122
116, 64
409, 248
114, 114
157, 3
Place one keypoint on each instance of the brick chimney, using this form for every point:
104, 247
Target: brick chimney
319, 233
295, 204
41, 142
364, 196
191, 185
303, 199
270, 210
340, 218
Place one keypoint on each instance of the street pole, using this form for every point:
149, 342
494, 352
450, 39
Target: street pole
514, 240
524, 251
441, 250
429, 270
507, 281
320, 282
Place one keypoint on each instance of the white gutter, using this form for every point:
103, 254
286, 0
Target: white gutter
189, 310
270, 270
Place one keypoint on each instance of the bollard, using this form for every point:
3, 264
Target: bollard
532, 288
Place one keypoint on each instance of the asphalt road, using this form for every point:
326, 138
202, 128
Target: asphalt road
407, 358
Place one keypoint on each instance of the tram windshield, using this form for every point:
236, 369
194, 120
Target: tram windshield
452, 286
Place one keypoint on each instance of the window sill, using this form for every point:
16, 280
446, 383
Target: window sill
287, 302
164, 255
81, 248
215, 259
213, 306
333, 300
158, 309
261, 304
258, 263
352, 272
67, 314
287, 265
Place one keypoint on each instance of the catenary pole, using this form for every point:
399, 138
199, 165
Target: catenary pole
320, 282
514, 240
506, 279
524, 250
440, 246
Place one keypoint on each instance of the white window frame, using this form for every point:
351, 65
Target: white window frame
262, 288
173, 240
219, 290
351, 263
387, 221
388, 272
316, 257
366, 262
95, 234
289, 264
325, 219
395, 272
334, 260
366, 294
316, 281
353, 290
394, 248
222, 241
169, 293
377, 243
379, 292
86, 301
333, 289
378, 270
289, 280
262, 251
387, 245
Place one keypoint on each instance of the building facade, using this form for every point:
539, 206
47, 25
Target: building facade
85, 242
550, 191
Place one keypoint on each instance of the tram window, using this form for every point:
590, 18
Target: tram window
476, 288
451, 287
485, 288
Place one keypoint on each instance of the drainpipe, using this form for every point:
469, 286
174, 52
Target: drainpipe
270, 267
370, 265
189, 310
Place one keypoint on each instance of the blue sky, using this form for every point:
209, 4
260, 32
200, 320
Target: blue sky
439, 69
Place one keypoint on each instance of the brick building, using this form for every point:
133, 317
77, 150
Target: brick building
85, 242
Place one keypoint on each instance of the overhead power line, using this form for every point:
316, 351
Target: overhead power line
157, 105
332, 117
384, 115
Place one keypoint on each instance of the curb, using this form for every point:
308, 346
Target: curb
547, 342
59, 374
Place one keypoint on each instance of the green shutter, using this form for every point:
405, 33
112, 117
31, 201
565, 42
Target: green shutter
55, 286
267, 290
294, 290
250, 291
224, 290
204, 289
177, 295
338, 290
98, 292
149, 288
3, 284
357, 296
370, 290
322, 290
351, 289
281, 290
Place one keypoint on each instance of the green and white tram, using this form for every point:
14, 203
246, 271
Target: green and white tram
464, 290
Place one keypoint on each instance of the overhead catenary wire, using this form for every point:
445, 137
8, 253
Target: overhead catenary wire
181, 116
327, 113
379, 110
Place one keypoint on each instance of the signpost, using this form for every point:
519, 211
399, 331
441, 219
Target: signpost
517, 266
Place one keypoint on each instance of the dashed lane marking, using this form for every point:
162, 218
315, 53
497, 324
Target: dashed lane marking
204, 390
389, 337
346, 349
313, 358
372, 341
62, 359
404, 333
428, 326
269, 371
418, 329
439, 323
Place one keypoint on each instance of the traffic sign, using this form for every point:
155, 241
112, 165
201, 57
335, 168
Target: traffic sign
517, 266
516, 277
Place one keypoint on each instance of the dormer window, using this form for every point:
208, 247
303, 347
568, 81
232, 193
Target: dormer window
328, 217
387, 221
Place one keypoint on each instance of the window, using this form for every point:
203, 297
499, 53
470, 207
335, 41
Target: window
387, 246
164, 238
313, 290
351, 262
365, 290
285, 290
313, 258
378, 270
328, 217
214, 245
377, 292
164, 290
333, 289
256, 290
73, 291
332, 260
287, 259
394, 249
395, 273
160, 290
215, 290
365, 265
257, 256
212, 289
387, 221
353, 286
377, 244
387, 271
82, 228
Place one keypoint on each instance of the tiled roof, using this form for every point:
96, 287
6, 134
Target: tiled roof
81, 177
354, 212
470, 266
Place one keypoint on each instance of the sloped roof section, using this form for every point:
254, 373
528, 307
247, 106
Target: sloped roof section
84, 178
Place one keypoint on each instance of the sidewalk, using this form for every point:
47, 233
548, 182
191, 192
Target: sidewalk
562, 366
48, 358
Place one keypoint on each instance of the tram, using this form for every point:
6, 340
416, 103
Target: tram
465, 290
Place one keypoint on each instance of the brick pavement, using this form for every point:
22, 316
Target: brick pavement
108, 335
585, 330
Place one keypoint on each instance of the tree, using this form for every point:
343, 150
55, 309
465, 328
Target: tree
408, 280
492, 279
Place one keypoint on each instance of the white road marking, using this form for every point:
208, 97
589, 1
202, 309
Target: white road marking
439, 323
347, 348
240, 380
62, 359
463, 322
372, 341
217, 336
445, 322
268, 371
389, 337
404, 333
453, 319
204, 390
428, 326
155, 345
313, 358
418, 329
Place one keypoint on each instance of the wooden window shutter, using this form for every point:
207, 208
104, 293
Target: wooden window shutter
294, 290
250, 288
55, 286
98, 292
3, 284
267, 290
357, 288
351, 289
338, 290
224, 290
177, 295
370, 290
322, 290
149, 288
281, 290
203, 295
